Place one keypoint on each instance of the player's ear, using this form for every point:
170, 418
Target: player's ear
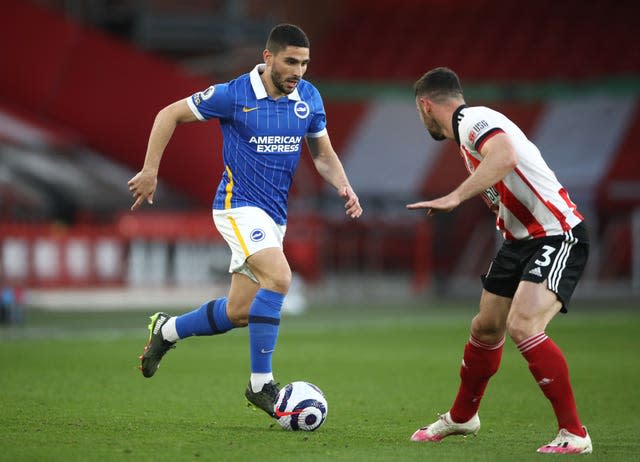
423, 103
428, 105
267, 56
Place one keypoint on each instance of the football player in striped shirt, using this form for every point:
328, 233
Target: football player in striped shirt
265, 116
534, 273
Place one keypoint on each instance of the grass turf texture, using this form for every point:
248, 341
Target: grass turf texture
70, 390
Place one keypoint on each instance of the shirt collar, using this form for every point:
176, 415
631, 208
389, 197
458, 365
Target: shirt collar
258, 86
455, 121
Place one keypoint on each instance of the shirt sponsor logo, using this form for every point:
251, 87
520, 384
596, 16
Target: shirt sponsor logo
492, 194
257, 235
276, 143
301, 109
249, 109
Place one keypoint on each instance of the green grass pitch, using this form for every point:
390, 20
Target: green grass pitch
70, 390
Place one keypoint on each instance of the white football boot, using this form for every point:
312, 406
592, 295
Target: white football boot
444, 427
568, 443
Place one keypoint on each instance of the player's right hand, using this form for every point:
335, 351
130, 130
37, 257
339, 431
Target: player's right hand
142, 186
441, 204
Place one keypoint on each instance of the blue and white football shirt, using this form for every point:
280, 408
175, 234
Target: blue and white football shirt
262, 139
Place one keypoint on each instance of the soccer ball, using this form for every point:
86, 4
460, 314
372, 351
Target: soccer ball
301, 406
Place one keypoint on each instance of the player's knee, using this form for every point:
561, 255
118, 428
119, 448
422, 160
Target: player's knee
520, 327
487, 330
278, 282
238, 315
239, 320
285, 281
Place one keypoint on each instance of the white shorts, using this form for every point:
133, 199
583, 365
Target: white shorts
247, 230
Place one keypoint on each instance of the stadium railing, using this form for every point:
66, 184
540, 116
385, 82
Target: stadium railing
183, 249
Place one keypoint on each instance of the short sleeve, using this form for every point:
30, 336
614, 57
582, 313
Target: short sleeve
212, 102
318, 125
477, 129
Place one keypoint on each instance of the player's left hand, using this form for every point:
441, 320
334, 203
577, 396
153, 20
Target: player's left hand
351, 202
441, 204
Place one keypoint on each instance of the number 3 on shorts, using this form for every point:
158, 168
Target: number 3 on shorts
546, 256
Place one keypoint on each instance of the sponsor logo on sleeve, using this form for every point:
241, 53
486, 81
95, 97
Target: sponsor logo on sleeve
208, 93
201, 96
477, 129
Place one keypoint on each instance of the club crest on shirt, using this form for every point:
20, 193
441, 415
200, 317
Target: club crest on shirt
257, 235
301, 109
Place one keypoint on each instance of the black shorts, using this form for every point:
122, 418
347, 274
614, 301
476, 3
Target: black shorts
560, 260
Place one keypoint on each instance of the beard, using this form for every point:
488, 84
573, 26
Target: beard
434, 129
278, 82
431, 125
436, 135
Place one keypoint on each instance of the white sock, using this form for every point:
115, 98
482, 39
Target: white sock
259, 379
169, 332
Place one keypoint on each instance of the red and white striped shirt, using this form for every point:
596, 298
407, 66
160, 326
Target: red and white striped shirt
531, 202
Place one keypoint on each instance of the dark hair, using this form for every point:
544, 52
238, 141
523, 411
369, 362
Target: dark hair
439, 83
284, 35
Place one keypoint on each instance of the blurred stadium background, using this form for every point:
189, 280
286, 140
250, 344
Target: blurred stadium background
81, 81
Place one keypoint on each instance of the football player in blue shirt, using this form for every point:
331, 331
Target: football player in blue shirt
265, 115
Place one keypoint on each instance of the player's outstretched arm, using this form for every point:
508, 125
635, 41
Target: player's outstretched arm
330, 168
143, 184
499, 159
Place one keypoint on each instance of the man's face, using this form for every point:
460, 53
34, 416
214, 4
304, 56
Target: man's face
433, 127
288, 67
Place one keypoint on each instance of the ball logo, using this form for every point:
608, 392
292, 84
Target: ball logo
301, 406
301, 109
257, 235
